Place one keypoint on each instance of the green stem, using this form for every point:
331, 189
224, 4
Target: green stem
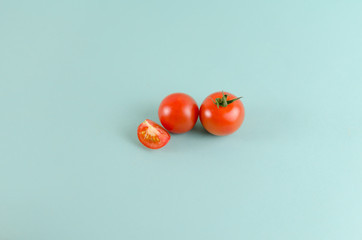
223, 102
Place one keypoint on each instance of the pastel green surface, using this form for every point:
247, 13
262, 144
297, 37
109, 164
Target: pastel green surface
78, 77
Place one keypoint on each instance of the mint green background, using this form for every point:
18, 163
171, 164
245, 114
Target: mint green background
77, 77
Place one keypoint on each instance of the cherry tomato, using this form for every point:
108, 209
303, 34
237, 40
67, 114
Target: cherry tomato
178, 112
222, 113
152, 135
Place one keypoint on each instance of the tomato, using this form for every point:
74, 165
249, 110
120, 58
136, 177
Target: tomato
222, 113
178, 112
152, 135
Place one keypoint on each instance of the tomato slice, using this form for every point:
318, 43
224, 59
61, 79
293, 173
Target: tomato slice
152, 135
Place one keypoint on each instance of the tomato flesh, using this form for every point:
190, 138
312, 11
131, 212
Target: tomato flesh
178, 112
221, 120
152, 135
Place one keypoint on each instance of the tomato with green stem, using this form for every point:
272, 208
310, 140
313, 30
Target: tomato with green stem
152, 135
222, 113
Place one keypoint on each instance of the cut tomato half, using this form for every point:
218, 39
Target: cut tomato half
152, 135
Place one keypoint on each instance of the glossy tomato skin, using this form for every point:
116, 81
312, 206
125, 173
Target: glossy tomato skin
178, 112
152, 135
223, 120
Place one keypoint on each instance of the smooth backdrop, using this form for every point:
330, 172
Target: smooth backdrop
78, 76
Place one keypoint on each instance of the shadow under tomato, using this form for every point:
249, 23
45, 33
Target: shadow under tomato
199, 129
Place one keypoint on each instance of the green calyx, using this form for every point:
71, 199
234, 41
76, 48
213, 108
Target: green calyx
223, 102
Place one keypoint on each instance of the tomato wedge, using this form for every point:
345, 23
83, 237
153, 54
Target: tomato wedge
152, 135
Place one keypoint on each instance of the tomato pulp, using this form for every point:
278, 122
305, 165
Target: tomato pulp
152, 135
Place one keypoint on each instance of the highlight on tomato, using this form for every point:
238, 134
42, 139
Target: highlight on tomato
222, 113
152, 135
178, 112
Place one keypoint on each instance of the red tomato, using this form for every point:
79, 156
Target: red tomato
178, 112
222, 113
152, 135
